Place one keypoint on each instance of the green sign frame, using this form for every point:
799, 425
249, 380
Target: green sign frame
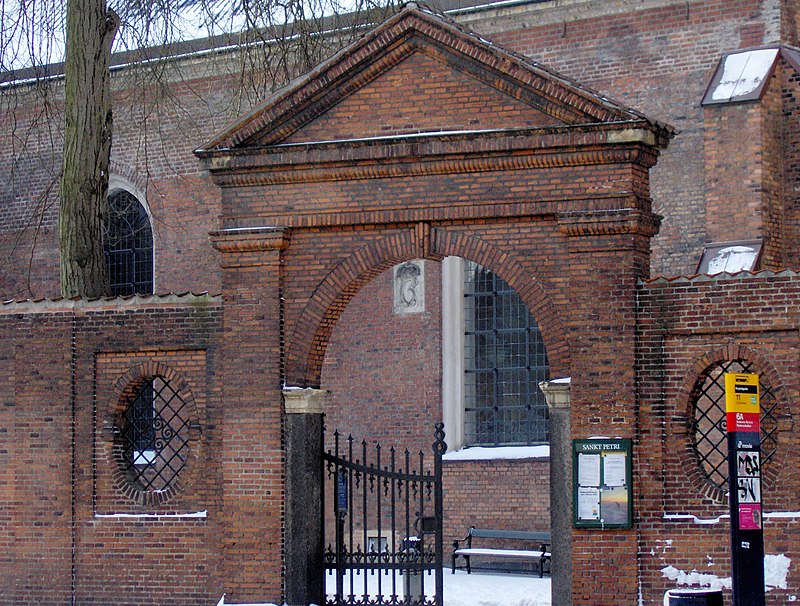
601, 483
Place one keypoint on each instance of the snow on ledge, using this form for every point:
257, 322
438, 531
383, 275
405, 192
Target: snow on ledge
154, 516
222, 602
679, 517
782, 514
486, 453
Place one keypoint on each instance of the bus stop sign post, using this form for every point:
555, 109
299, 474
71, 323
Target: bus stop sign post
743, 421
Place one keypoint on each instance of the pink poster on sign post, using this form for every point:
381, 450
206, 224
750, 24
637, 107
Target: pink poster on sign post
750, 516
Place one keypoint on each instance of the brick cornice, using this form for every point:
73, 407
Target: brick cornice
435, 154
609, 223
529, 209
250, 239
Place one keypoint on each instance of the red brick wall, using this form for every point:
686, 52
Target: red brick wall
252, 450
61, 520
35, 457
748, 152
510, 494
684, 328
383, 370
733, 192
579, 283
773, 173
791, 164
461, 105
658, 57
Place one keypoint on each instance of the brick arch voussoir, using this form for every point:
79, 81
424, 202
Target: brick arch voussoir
309, 339
129, 173
144, 370
682, 410
527, 286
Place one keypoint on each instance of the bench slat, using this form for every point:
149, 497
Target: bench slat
505, 553
523, 535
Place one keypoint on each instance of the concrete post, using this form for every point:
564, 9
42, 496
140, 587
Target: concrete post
557, 396
304, 581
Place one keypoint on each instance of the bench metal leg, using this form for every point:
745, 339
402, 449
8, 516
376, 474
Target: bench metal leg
542, 562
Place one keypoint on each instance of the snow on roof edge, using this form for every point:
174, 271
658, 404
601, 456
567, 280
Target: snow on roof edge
61, 303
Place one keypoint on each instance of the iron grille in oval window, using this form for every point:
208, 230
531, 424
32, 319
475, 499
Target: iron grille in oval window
708, 420
154, 435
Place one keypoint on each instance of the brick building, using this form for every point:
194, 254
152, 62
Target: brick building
350, 215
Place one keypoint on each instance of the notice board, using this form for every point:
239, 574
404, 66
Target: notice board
601, 481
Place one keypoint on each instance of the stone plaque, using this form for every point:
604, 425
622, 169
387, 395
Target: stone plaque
409, 287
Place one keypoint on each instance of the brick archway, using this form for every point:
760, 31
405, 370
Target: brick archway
307, 343
419, 141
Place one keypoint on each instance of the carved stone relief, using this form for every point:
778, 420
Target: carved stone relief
409, 287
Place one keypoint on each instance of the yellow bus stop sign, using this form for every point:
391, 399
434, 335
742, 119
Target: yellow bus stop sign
742, 403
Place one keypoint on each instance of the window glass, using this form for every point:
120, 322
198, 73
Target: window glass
504, 361
128, 245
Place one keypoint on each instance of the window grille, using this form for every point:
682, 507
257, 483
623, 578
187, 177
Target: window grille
154, 435
504, 361
708, 429
128, 245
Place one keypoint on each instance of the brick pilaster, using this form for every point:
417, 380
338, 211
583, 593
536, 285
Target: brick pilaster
252, 454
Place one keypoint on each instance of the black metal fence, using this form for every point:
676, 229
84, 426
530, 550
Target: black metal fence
384, 529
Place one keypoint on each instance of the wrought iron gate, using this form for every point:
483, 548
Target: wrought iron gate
384, 531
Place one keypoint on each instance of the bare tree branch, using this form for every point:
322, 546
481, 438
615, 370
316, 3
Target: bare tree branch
269, 42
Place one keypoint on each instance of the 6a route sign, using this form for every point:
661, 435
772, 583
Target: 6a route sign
742, 403
743, 418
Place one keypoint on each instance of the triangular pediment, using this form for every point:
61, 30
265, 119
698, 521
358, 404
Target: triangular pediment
421, 94
419, 72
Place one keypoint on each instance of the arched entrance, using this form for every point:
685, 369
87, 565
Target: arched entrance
383, 383
418, 142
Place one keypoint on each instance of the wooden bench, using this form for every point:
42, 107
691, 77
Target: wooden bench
537, 543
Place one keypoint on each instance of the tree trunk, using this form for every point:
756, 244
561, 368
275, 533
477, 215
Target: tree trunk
91, 28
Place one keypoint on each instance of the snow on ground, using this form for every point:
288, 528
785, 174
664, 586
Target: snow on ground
476, 589
462, 589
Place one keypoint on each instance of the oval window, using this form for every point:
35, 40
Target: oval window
709, 437
153, 434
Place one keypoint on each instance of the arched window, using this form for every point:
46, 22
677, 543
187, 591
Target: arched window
504, 361
128, 244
